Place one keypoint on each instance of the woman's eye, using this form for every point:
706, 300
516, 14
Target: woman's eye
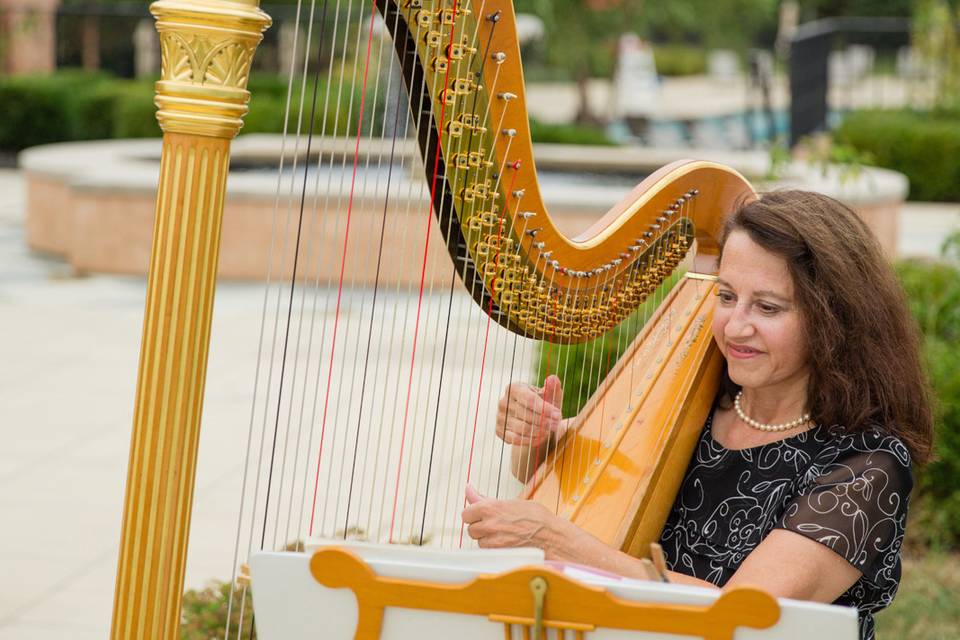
768, 309
726, 297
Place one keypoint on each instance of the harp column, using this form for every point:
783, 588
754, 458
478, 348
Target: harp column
206, 47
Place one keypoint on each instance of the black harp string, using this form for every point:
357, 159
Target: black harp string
319, 267
446, 333
267, 288
376, 286
450, 142
306, 165
416, 87
436, 188
293, 281
381, 10
350, 294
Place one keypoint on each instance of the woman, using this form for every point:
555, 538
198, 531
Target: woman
800, 481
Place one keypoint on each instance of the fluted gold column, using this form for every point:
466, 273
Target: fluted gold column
207, 47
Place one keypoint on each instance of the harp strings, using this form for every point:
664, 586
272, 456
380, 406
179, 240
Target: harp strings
339, 388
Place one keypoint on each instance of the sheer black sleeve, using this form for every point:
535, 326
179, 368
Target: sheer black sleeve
856, 503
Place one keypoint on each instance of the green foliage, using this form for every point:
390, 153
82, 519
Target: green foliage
39, 109
825, 152
927, 606
204, 612
73, 105
923, 146
581, 367
581, 36
679, 60
568, 134
933, 290
935, 38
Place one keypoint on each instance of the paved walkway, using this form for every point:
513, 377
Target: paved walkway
69, 351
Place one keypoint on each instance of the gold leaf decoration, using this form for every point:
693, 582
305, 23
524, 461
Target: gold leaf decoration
228, 65
177, 58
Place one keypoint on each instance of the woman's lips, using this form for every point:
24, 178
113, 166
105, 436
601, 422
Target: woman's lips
741, 352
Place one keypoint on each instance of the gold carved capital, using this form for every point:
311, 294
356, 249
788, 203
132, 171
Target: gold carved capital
206, 50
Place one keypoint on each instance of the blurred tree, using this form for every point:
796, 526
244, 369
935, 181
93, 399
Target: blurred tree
581, 39
935, 38
582, 34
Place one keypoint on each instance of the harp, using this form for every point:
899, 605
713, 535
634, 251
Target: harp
614, 473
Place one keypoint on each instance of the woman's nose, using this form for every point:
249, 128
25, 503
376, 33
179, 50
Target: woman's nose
739, 324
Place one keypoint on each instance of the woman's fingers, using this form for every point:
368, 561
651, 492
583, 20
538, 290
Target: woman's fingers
519, 396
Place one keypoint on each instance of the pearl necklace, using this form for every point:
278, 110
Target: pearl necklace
793, 424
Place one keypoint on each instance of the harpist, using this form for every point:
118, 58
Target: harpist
800, 481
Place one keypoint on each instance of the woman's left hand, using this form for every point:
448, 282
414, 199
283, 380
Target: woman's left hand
511, 523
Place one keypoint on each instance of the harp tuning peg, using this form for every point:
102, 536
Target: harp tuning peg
495, 16
519, 193
533, 232
507, 96
509, 132
538, 245
526, 215
499, 57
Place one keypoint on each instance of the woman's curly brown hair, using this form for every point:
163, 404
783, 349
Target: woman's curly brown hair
865, 366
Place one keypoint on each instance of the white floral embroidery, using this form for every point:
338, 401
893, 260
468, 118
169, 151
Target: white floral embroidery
848, 492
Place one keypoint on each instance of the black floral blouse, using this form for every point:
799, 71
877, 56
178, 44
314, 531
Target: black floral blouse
846, 491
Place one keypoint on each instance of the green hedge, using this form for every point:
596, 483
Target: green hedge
569, 134
933, 288
923, 146
72, 105
933, 291
679, 60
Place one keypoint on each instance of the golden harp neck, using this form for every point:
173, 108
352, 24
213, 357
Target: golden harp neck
483, 183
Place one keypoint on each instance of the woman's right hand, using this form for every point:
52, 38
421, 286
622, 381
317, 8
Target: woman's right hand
528, 416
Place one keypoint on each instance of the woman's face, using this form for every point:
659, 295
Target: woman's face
757, 323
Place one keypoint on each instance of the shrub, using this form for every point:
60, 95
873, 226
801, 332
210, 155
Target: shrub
204, 612
923, 146
679, 60
568, 134
933, 288
39, 109
77, 106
